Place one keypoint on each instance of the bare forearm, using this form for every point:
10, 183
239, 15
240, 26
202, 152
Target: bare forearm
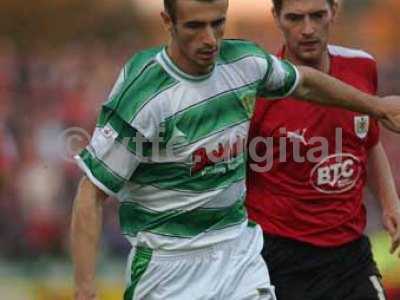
318, 87
86, 226
382, 184
380, 178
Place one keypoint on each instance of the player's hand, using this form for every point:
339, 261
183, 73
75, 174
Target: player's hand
391, 221
391, 117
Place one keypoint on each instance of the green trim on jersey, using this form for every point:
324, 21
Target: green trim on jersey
132, 69
179, 223
137, 63
173, 176
127, 135
206, 122
101, 172
111, 118
140, 263
290, 83
212, 115
234, 50
143, 82
178, 72
151, 83
261, 87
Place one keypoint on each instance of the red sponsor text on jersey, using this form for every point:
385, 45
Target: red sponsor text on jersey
201, 158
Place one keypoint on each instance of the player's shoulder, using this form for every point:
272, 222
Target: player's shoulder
235, 49
140, 61
142, 79
346, 53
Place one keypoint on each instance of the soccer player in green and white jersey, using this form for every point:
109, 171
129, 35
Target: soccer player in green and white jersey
169, 146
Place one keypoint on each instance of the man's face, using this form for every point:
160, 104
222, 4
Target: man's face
197, 33
305, 25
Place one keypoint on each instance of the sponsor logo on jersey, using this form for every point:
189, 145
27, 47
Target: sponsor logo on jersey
361, 126
336, 173
298, 135
219, 160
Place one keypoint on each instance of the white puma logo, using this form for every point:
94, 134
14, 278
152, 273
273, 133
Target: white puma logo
298, 135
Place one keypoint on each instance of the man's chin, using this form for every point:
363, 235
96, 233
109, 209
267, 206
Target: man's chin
310, 57
206, 65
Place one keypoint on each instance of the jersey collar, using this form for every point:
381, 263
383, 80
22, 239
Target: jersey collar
172, 68
282, 52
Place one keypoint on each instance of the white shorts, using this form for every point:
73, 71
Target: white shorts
231, 270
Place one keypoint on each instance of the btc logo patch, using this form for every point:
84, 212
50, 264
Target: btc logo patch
336, 173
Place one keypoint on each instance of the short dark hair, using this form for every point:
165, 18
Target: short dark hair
170, 7
278, 4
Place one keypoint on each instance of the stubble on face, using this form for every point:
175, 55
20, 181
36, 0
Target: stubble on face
197, 34
306, 26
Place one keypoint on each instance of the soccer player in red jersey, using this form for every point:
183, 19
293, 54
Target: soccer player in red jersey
306, 179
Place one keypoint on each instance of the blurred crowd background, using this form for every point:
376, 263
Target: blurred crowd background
58, 61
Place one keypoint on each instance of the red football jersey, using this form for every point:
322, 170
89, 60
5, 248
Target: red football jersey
306, 177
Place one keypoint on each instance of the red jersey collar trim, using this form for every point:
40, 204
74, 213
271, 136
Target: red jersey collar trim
281, 53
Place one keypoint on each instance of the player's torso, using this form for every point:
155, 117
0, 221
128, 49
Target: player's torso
203, 126
318, 150
194, 174
312, 188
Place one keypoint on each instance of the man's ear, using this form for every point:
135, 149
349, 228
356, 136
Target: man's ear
276, 17
167, 21
335, 9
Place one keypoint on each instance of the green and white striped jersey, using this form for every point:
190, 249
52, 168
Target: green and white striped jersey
170, 146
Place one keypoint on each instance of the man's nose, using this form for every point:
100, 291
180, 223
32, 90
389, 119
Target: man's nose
209, 37
308, 27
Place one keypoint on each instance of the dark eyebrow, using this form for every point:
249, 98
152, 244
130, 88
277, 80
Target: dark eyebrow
194, 24
218, 21
319, 12
294, 15
198, 24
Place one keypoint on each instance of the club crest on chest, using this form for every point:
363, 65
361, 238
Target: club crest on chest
361, 126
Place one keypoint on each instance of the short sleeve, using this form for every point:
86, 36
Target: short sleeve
374, 128
117, 146
281, 79
373, 134
112, 155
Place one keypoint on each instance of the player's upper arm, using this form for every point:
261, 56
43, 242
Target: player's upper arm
374, 75
281, 78
86, 186
374, 129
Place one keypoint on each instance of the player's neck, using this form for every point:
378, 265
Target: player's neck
184, 64
322, 64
